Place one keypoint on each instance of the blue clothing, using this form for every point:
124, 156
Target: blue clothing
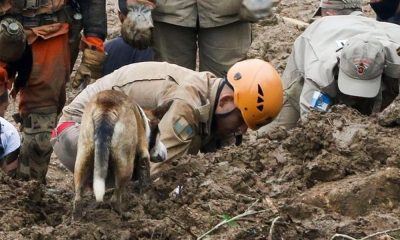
120, 54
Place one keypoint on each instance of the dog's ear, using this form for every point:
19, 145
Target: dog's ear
160, 111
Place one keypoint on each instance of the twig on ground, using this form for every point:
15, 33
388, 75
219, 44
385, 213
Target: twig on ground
246, 213
252, 205
366, 237
271, 229
343, 236
187, 229
379, 233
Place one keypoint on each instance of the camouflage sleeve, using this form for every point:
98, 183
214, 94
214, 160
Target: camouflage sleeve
179, 130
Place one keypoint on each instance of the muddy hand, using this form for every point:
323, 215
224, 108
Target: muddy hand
136, 30
391, 115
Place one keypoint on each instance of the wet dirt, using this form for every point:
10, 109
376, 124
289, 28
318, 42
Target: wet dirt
339, 172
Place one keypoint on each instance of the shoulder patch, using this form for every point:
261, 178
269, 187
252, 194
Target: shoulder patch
183, 129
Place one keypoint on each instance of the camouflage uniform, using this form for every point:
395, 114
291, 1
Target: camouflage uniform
53, 38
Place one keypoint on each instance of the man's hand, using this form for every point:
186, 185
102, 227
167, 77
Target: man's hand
390, 116
254, 10
136, 30
92, 62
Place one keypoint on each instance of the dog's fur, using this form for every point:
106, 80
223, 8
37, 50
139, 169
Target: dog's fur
116, 139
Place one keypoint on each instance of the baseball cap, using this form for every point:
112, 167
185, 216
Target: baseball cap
361, 66
337, 4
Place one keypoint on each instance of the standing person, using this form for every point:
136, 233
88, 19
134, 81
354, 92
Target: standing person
212, 28
339, 7
205, 111
120, 53
387, 10
347, 60
52, 37
10, 140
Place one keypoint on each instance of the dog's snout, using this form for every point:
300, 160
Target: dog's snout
160, 153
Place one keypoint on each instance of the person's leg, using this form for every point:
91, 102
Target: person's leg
40, 102
65, 146
175, 44
221, 47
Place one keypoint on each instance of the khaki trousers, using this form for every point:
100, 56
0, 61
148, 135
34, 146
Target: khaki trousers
219, 47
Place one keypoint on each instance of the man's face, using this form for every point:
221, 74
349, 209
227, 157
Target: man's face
230, 123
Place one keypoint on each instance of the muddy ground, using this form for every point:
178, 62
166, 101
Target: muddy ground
337, 174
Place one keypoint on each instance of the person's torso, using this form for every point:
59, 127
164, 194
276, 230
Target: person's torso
205, 13
316, 51
150, 84
29, 8
10, 139
120, 54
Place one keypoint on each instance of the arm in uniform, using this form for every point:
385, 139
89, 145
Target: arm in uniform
179, 132
94, 23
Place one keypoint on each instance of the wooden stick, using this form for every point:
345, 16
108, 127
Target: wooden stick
367, 237
246, 213
271, 229
296, 22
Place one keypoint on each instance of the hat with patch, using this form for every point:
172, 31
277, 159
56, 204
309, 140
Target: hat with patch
362, 62
337, 4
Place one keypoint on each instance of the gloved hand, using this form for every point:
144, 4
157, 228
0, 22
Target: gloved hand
254, 10
92, 61
136, 30
390, 116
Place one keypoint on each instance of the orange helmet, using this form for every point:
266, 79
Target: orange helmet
258, 91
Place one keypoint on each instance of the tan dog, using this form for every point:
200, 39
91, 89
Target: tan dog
116, 138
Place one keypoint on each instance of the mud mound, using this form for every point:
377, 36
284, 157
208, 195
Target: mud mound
337, 172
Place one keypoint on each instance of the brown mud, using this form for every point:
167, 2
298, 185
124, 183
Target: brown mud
337, 173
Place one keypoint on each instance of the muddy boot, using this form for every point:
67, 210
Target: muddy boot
36, 149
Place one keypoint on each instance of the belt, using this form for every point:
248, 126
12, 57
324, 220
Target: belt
40, 20
60, 128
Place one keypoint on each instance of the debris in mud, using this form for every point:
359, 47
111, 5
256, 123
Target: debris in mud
337, 172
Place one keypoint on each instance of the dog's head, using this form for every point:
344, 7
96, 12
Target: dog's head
158, 151
137, 28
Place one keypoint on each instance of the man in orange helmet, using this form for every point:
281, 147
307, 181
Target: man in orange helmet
206, 110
